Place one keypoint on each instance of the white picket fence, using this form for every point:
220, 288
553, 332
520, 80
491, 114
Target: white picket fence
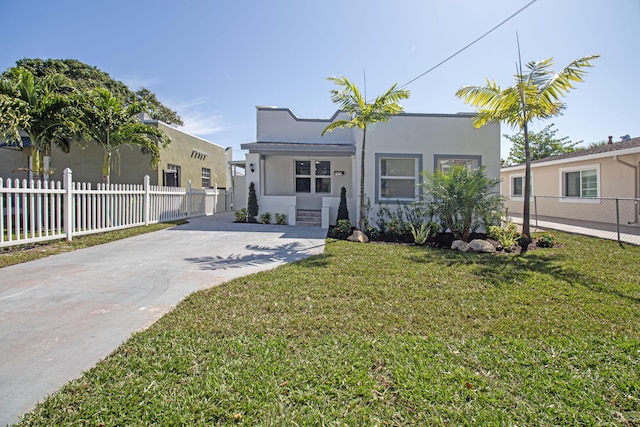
33, 212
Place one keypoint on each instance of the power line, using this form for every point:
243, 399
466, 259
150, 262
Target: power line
470, 44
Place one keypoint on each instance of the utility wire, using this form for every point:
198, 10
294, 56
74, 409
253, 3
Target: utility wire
470, 44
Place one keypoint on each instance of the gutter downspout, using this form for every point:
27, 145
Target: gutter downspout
635, 182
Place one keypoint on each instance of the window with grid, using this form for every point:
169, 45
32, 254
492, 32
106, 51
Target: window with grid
206, 177
171, 176
317, 172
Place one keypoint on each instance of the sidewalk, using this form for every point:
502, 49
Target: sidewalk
60, 315
603, 231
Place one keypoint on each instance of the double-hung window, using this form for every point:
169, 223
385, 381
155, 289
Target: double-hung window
206, 177
517, 185
313, 176
397, 177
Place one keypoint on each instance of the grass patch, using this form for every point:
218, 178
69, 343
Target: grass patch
22, 253
386, 335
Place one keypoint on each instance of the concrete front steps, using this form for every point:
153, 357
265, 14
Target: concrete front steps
308, 217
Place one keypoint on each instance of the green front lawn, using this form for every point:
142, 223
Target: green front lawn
382, 334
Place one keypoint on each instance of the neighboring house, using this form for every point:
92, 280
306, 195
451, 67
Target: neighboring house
571, 184
186, 158
299, 173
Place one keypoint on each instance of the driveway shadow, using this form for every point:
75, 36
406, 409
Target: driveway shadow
260, 255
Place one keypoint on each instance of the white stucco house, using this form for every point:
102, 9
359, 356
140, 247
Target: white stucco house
299, 173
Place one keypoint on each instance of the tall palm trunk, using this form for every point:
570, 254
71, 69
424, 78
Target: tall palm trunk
106, 168
362, 167
526, 221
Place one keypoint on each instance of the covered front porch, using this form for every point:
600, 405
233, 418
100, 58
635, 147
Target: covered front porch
302, 181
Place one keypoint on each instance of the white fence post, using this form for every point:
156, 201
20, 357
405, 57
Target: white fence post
215, 197
67, 185
147, 200
189, 199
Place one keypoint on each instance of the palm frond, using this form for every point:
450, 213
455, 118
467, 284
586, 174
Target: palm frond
338, 124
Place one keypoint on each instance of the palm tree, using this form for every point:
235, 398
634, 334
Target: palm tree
107, 121
363, 114
42, 109
536, 95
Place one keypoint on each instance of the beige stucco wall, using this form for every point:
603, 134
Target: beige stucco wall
181, 152
131, 165
615, 180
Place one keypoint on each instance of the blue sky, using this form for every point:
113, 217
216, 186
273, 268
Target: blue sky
214, 61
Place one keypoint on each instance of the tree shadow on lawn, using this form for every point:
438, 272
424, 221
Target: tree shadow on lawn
516, 269
259, 255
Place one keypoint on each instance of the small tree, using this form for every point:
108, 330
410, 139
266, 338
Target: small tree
107, 121
362, 114
43, 109
343, 210
536, 95
541, 145
252, 204
463, 199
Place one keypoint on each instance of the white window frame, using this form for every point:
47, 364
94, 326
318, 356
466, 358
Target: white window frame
579, 199
379, 157
473, 157
206, 175
519, 175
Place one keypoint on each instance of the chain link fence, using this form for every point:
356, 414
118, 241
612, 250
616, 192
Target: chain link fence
608, 218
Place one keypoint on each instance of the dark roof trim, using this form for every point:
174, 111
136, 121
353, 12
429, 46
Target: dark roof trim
602, 149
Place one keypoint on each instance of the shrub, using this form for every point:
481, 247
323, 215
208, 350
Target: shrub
342, 230
241, 215
463, 199
546, 240
343, 210
252, 204
371, 232
426, 230
507, 235
265, 218
281, 219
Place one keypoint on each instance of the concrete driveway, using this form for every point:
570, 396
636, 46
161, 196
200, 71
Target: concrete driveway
60, 315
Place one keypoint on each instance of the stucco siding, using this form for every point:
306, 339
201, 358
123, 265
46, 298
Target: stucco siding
130, 165
187, 152
280, 125
411, 142
614, 180
428, 136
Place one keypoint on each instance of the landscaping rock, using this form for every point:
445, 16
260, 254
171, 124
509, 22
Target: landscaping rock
460, 245
358, 236
478, 245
